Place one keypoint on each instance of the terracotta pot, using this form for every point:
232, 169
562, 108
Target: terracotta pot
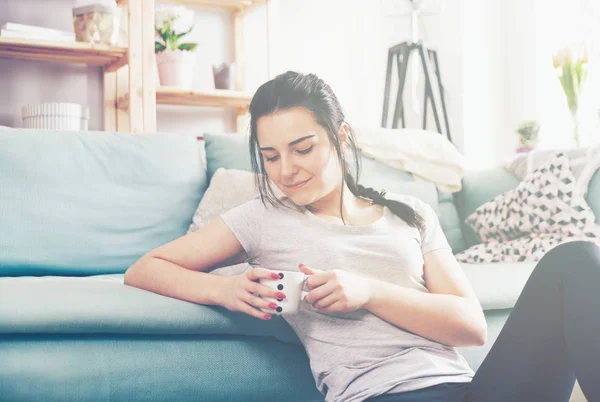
176, 68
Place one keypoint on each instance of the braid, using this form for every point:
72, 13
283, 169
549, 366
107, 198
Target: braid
377, 197
400, 209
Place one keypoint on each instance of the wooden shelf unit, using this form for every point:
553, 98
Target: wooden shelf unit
123, 71
111, 58
237, 99
130, 94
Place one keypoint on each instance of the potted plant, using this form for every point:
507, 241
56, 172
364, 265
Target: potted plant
175, 60
528, 135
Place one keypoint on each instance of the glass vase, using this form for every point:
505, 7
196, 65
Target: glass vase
575, 121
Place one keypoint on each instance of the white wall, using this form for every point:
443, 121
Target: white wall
559, 23
483, 87
346, 44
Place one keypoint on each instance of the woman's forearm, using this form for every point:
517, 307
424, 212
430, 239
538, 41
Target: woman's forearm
168, 279
447, 319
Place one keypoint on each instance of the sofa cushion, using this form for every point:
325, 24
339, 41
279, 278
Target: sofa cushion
593, 195
498, 285
478, 188
228, 188
546, 201
230, 151
524, 223
530, 247
140, 368
90, 203
104, 305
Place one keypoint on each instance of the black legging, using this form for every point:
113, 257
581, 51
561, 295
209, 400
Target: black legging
551, 337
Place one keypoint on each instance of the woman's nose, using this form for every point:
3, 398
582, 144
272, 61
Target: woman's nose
288, 167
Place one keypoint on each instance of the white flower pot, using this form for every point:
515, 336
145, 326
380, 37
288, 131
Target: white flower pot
176, 68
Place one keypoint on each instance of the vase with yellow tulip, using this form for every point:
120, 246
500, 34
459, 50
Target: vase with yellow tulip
571, 66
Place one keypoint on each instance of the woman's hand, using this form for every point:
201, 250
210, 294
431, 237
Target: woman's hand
336, 290
240, 295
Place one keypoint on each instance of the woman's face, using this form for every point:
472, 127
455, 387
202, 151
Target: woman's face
298, 156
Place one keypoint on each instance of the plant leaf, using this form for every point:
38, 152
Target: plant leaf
159, 47
162, 33
188, 46
179, 36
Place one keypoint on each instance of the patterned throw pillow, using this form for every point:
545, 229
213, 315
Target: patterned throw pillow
530, 247
545, 199
524, 223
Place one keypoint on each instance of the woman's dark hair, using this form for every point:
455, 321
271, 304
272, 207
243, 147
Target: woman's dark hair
294, 90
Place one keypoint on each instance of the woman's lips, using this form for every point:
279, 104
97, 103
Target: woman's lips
297, 186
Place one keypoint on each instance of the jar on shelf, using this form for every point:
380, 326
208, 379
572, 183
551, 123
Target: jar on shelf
56, 116
97, 23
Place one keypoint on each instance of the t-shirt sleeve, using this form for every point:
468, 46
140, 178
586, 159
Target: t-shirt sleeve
244, 221
432, 238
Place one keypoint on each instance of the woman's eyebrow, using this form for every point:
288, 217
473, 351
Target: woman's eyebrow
290, 144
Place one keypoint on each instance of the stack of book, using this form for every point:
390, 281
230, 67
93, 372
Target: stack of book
14, 30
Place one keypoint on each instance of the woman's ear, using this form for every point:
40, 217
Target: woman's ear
343, 134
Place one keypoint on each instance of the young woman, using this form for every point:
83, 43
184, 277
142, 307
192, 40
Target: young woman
388, 302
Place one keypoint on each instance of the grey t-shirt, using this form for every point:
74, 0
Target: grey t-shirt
353, 356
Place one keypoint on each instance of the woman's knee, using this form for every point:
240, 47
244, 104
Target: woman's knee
570, 255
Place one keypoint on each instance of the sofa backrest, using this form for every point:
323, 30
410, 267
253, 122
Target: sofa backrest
92, 202
230, 151
481, 187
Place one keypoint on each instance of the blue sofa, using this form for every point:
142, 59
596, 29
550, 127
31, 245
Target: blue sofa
77, 209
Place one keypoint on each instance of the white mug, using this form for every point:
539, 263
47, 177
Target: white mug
292, 285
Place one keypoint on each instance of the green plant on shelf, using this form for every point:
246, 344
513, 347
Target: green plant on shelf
172, 23
528, 132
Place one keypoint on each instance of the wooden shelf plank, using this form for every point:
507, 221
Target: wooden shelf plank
217, 98
65, 52
233, 5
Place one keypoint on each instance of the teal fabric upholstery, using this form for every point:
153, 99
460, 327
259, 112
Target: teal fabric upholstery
593, 195
230, 151
450, 222
102, 304
90, 203
85, 203
477, 189
105, 367
108, 341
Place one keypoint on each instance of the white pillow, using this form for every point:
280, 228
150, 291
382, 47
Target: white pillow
228, 188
